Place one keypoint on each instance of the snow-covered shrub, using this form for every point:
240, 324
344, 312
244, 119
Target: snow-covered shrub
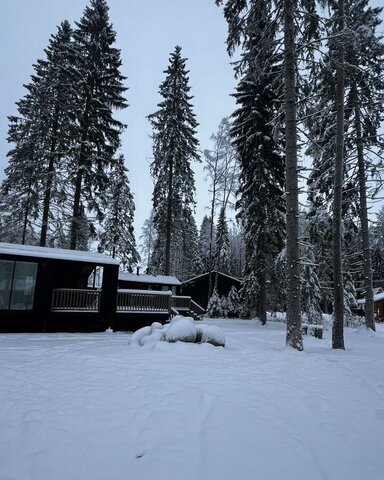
138, 336
224, 306
181, 329
213, 335
233, 303
155, 336
214, 308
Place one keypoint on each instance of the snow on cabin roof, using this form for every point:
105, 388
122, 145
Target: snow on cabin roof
150, 279
56, 253
376, 298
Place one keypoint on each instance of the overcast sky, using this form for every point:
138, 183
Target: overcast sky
147, 31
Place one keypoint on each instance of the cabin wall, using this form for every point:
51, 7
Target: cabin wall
52, 273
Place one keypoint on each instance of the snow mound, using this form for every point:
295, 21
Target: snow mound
213, 335
154, 337
180, 329
139, 335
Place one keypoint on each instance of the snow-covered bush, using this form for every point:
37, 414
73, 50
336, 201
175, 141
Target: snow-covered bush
180, 329
233, 303
224, 306
214, 308
213, 335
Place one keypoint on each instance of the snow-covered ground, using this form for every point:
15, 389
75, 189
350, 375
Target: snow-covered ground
90, 407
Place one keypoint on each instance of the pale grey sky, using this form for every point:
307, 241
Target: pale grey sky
147, 31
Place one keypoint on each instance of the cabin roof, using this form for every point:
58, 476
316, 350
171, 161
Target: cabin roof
213, 272
56, 253
150, 279
376, 298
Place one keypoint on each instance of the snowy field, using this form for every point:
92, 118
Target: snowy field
90, 407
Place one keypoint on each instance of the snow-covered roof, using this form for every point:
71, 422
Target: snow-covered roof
376, 298
56, 253
150, 279
214, 272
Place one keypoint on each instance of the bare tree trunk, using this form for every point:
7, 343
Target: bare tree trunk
367, 263
76, 211
48, 188
168, 233
262, 314
294, 336
210, 259
338, 288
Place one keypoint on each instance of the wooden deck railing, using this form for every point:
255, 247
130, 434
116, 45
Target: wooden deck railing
140, 301
69, 299
143, 301
181, 303
186, 304
199, 310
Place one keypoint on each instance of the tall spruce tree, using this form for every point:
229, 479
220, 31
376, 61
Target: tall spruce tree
148, 240
259, 146
53, 89
40, 136
117, 237
207, 235
174, 148
99, 85
20, 193
222, 250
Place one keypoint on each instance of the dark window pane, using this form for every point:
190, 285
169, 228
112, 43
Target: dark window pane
23, 288
6, 274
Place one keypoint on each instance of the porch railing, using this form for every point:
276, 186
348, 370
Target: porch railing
143, 301
69, 299
186, 304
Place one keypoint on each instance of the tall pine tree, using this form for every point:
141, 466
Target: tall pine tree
117, 237
174, 148
99, 85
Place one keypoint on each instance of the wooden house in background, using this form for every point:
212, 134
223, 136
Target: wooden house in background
197, 287
378, 301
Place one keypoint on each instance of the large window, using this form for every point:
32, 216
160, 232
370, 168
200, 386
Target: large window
17, 285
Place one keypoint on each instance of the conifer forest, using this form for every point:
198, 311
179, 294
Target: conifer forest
294, 175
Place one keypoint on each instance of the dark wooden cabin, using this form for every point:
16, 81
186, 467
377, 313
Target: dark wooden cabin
197, 287
378, 301
50, 289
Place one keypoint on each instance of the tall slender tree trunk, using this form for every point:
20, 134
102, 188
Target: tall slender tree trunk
367, 262
210, 258
48, 188
168, 233
262, 303
76, 210
294, 337
338, 288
